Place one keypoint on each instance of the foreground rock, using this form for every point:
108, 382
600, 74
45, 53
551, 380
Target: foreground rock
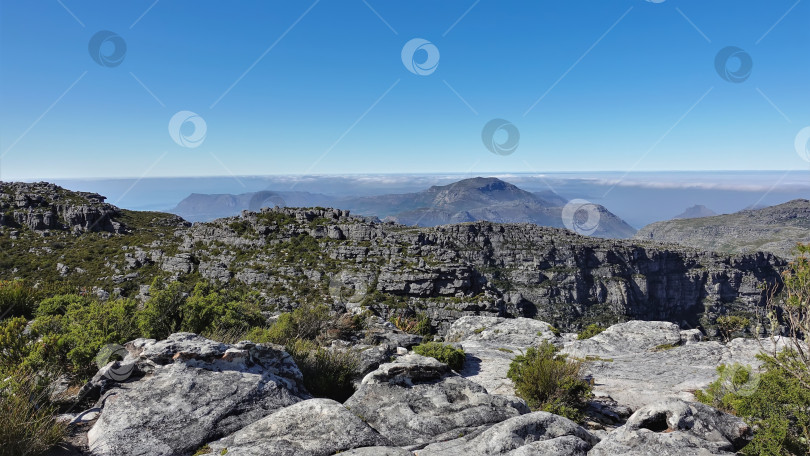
192, 390
531, 434
641, 362
417, 401
676, 428
310, 428
491, 343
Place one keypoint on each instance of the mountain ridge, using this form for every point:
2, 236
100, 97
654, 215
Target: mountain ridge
467, 200
774, 229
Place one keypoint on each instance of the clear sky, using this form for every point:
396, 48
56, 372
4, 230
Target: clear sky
321, 86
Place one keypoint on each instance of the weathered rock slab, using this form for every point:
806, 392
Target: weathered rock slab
676, 428
194, 391
313, 427
432, 405
491, 343
533, 433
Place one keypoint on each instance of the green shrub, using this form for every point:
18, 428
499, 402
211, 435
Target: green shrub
306, 322
418, 324
162, 313
15, 345
550, 382
327, 373
453, 357
590, 331
58, 304
27, 424
207, 309
69, 343
730, 324
17, 298
774, 402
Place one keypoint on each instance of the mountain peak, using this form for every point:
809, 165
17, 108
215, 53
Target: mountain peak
696, 211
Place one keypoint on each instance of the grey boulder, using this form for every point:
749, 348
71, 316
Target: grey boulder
192, 390
531, 434
417, 401
676, 428
313, 427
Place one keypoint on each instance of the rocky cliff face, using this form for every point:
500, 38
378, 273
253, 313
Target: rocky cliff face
42, 206
479, 268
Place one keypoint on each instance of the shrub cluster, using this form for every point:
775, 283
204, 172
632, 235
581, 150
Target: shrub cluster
418, 324
549, 381
730, 324
27, 424
774, 402
590, 331
453, 357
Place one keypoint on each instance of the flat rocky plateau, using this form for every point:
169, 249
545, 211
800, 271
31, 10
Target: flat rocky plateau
187, 392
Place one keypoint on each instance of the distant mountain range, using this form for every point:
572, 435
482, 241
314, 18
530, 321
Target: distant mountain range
199, 207
468, 200
774, 229
695, 211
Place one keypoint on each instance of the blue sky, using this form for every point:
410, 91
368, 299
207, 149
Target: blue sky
322, 89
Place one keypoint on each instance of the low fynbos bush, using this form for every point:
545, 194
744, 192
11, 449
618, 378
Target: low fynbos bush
327, 373
27, 424
550, 382
418, 324
17, 298
590, 331
453, 357
775, 403
728, 325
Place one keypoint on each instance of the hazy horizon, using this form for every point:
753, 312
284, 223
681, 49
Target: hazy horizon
637, 197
